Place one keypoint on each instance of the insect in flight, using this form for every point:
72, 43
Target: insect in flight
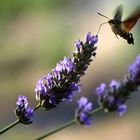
123, 28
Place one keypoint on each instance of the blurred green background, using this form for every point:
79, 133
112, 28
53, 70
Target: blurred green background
34, 36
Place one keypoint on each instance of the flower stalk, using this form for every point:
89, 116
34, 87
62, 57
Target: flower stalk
66, 125
9, 126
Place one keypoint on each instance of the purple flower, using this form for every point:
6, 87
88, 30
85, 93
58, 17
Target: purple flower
94, 39
71, 91
78, 44
84, 119
91, 39
101, 89
65, 65
22, 102
68, 65
88, 37
23, 112
114, 84
75, 87
41, 88
82, 102
58, 68
82, 112
49, 79
29, 113
57, 71
122, 109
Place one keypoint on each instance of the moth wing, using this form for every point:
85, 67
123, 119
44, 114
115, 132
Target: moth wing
130, 22
118, 12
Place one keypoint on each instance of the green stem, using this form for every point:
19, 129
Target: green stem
65, 125
96, 110
56, 130
9, 126
37, 107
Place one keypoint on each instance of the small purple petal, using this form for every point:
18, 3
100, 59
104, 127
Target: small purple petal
101, 89
85, 119
82, 102
66, 64
29, 113
40, 88
58, 67
56, 73
78, 44
122, 109
94, 39
69, 96
22, 101
88, 107
49, 78
75, 87
88, 37
114, 84
71, 91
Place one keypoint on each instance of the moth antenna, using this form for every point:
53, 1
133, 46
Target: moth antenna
102, 15
101, 26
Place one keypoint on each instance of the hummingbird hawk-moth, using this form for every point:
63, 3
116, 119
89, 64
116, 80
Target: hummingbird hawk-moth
123, 28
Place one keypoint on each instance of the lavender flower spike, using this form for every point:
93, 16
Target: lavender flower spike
23, 112
61, 84
82, 112
118, 92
